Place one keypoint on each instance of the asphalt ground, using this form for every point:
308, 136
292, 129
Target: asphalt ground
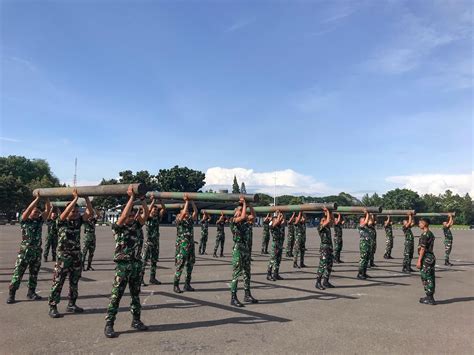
380, 315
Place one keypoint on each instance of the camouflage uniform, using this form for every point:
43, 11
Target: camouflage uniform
448, 243
240, 255
152, 246
277, 249
299, 243
291, 240
29, 255
428, 263
185, 254
220, 238
389, 240
373, 244
204, 235
69, 261
325, 248
364, 247
51, 238
337, 241
128, 265
266, 237
409, 248
89, 241
250, 237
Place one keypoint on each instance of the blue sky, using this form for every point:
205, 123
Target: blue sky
332, 95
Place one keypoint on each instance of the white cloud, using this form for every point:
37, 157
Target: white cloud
240, 24
12, 140
314, 99
436, 183
287, 181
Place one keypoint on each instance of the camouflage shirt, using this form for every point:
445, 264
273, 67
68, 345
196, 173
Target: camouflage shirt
299, 231
427, 241
89, 226
220, 228
291, 229
447, 233
52, 227
31, 233
69, 237
266, 228
408, 234
128, 241
185, 227
153, 228
338, 230
325, 235
277, 232
389, 231
364, 232
205, 226
239, 231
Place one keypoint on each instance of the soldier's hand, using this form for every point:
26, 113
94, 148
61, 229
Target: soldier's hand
75, 194
418, 265
186, 197
130, 191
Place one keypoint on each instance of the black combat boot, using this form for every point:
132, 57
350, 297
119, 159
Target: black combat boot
429, 299
277, 276
302, 264
327, 284
234, 300
71, 307
410, 269
215, 253
32, 295
45, 258
295, 265
138, 324
153, 280
222, 253
269, 275
447, 263
11, 296
89, 265
176, 288
318, 284
109, 330
54, 258
390, 256
366, 276
361, 276
249, 298
187, 286
405, 270
53, 312
385, 256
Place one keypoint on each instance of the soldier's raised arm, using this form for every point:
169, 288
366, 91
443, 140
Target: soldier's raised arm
128, 207
48, 209
30, 207
70, 207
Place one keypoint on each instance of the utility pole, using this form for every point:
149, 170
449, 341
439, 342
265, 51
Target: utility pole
275, 190
74, 180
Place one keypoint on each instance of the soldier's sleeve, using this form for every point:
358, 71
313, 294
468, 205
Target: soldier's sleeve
423, 240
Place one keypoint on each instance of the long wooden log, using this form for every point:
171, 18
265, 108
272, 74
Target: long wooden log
202, 196
99, 190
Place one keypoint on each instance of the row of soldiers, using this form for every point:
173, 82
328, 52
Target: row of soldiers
132, 252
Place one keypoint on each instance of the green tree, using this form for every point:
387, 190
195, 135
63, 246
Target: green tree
264, 200
243, 189
404, 199
180, 179
107, 202
235, 186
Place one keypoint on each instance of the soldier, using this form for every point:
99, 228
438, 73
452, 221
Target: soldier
277, 247
69, 263
409, 244
387, 225
373, 240
426, 261
338, 223
152, 245
266, 234
185, 245
220, 237
89, 241
250, 222
448, 239
204, 233
52, 237
128, 264
364, 246
241, 253
291, 236
325, 249
29, 256
300, 240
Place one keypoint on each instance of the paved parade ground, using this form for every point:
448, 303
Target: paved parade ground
375, 316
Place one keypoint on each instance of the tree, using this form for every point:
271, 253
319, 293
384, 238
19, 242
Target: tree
107, 202
235, 186
374, 200
243, 189
403, 199
180, 179
264, 200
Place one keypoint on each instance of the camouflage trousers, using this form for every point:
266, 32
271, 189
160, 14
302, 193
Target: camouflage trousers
185, 257
299, 250
337, 247
364, 247
88, 249
51, 242
66, 266
203, 242
388, 245
448, 246
28, 258
220, 239
126, 272
150, 252
373, 248
290, 244
408, 253
265, 241
250, 244
325, 262
275, 255
240, 266
427, 273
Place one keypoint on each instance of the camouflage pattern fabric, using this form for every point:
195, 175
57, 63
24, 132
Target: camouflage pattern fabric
185, 251
389, 240
151, 250
364, 247
51, 238
409, 247
220, 237
204, 236
290, 243
266, 236
89, 240
240, 255
373, 243
337, 241
299, 250
250, 237
448, 242
428, 263
278, 239
325, 249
